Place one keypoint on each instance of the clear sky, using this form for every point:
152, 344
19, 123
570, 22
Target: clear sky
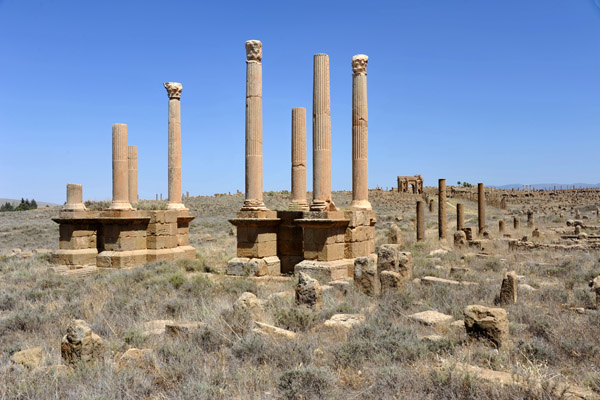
479, 91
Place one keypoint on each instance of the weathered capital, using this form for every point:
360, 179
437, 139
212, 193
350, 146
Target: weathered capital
254, 50
173, 89
359, 64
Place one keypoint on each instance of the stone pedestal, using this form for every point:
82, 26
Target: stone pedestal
321, 136
299, 159
120, 199
254, 153
360, 153
74, 198
174, 93
132, 162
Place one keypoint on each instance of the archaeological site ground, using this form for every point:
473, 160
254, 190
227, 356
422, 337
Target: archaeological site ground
425, 291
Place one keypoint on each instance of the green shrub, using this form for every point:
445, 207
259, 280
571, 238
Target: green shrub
305, 383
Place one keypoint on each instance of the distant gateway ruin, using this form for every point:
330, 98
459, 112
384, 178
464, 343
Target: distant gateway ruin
410, 184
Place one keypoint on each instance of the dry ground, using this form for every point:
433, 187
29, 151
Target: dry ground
385, 358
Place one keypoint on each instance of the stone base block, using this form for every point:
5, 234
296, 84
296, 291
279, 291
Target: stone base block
257, 249
325, 271
159, 255
245, 266
121, 259
189, 252
74, 258
327, 252
359, 249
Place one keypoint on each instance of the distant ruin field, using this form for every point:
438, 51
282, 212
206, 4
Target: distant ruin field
204, 336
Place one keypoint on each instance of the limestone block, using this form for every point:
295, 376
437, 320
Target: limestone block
391, 258
508, 290
80, 344
308, 292
326, 271
460, 239
470, 233
340, 325
431, 317
327, 252
256, 249
74, 257
365, 275
189, 252
391, 281
248, 302
183, 328
273, 265
357, 249
487, 324
273, 332
142, 359
159, 255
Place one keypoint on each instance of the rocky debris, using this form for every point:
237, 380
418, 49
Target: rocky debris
487, 324
395, 234
595, 286
340, 324
431, 338
460, 239
80, 344
365, 275
242, 266
273, 332
248, 302
391, 281
143, 359
508, 290
442, 281
390, 257
459, 270
437, 253
535, 233
523, 287
183, 328
309, 292
155, 327
431, 317
30, 358
341, 286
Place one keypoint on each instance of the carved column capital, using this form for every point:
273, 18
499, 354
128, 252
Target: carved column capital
173, 89
254, 50
359, 64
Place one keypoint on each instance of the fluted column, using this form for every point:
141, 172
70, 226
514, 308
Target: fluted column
74, 198
133, 173
254, 134
481, 207
120, 199
299, 158
174, 92
360, 143
442, 209
460, 216
321, 136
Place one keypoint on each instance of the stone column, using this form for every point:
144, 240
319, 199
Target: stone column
174, 92
360, 153
120, 199
254, 134
501, 226
133, 173
74, 198
431, 205
460, 216
481, 207
321, 136
530, 219
516, 223
442, 209
420, 221
299, 158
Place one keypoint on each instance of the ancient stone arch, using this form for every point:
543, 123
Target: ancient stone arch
410, 184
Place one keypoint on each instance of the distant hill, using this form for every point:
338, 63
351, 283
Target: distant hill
15, 202
550, 186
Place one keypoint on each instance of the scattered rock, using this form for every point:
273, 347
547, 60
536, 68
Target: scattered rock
273, 332
309, 292
248, 302
390, 257
81, 344
437, 253
341, 286
143, 359
460, 239
442, 281
341, 324
155, 327
391, 281
525, 287
30, 358
365, 275
508, 290
487, 324
183, 328
395, 234
431, 317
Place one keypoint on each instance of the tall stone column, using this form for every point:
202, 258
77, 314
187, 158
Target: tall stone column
299, 158
254, 134
120, 199
481, 207
442, 209
74, 198
133, 173
460, 216
516, 223
420, 221
360, 142
321, 136
174, 92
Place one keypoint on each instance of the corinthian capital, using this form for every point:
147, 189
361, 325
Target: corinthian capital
254, 50
359, 64
173, 89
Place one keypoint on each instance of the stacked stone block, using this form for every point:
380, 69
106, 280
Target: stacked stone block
359, 238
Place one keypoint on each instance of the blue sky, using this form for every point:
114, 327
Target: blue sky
479, 91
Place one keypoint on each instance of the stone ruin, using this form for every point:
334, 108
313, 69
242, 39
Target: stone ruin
121, 236
316, 238
410, 184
